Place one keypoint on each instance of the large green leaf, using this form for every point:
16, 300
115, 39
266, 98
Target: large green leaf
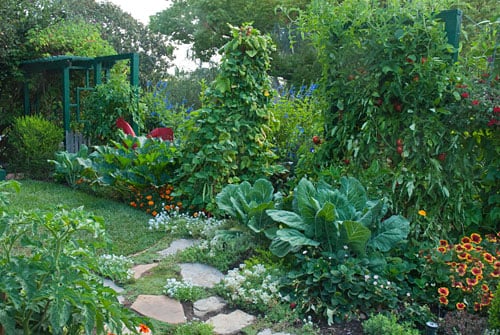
390, 232
355, 235
291, 219
289, 240
326, 228
305, 200
354, 191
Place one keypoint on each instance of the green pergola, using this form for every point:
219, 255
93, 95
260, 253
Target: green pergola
98, 66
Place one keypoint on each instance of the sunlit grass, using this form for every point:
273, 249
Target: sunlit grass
126, 227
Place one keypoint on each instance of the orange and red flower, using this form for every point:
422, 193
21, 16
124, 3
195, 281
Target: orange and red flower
144, 329
443, 291
460, 306
443, 300
475, 238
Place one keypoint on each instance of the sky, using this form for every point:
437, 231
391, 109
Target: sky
142, 9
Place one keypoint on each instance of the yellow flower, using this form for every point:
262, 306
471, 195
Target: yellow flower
422, 212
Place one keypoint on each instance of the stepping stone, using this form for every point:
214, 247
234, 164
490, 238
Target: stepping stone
210, 305
140, 269
112, 285
200, 274
159, 307
177, 246
229, 324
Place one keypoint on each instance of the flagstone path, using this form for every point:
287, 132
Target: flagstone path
212, 310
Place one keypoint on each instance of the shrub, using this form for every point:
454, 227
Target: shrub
32, 142
387, 325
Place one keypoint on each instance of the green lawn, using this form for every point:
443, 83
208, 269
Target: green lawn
126, 226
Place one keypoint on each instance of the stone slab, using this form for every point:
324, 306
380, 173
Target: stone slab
200, 274
112, 285
177, 245
232, 323
159, 307
141, 269
210, 305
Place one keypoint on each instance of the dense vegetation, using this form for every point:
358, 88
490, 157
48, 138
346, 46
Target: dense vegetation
373, 189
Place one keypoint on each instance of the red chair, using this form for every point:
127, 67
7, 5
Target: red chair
166, 134
125, 126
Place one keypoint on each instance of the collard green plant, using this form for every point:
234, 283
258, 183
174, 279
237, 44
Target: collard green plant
248, 204
67, 166
329, 219
48, 275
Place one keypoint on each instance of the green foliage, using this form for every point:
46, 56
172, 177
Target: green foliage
382, 324
48, 275
33, 141
229, 139
299, 118
134, 163
331, 219
109, 101
76, 38
248, 204
390, 85
194, 328
494, 311
68, 168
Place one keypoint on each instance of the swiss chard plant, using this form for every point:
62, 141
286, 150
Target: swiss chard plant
329, 219
137, 162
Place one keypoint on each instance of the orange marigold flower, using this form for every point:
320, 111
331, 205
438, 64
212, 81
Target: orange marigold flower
154, 213
460, 306
443, 291
465, 239
476, 271
471, 281
143, 328
149, 197
476, 238
443, 300
422, 212
443, 243
467, 246
151, 203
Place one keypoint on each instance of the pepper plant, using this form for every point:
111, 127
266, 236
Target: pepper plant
228, 141
49, 280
